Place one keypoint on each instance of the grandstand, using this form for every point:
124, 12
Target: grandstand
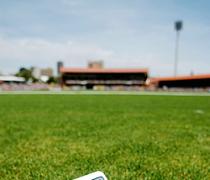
193, 81
11, 79
93, 77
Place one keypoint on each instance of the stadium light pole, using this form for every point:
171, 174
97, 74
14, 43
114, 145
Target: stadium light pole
178, 28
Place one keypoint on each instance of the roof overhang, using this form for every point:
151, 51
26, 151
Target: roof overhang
102, 71
181, 78
11, 79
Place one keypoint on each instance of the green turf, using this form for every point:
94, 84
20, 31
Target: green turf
126, 137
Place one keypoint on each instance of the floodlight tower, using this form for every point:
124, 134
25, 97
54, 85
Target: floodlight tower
178, 28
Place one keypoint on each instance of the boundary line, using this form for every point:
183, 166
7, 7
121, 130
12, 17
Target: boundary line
104, 93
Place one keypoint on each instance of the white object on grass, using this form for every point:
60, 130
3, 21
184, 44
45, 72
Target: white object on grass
93, 176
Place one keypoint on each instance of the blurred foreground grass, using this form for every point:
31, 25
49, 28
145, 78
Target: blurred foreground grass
126, 137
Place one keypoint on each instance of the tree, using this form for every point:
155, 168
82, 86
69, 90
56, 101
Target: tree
25, 73
52, 79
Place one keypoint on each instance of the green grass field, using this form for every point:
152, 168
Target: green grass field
126, 137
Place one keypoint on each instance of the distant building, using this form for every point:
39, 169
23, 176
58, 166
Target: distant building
95, 64
192, 81
11, 79
36, 72
42, 74
95, 76
47, 72
59, 66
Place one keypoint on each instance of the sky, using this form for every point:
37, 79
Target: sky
122, 33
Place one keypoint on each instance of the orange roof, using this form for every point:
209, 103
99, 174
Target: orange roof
94, 70
181, 78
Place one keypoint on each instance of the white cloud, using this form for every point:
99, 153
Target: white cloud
153, 52
15, 53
